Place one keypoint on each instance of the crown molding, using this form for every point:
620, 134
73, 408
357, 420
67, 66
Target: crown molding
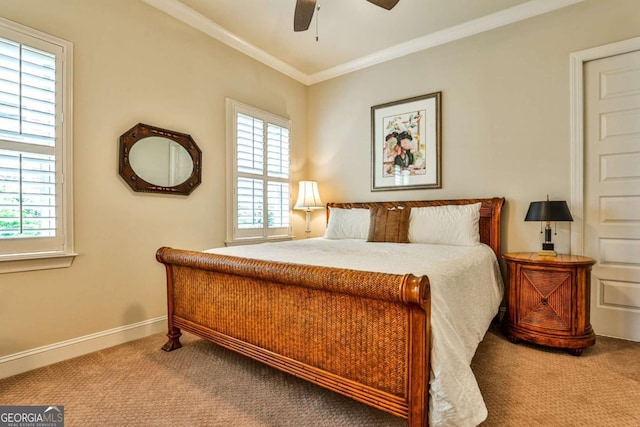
201, 23
508, 16
489, 22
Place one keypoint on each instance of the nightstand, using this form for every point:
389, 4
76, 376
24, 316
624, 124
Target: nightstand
548, 300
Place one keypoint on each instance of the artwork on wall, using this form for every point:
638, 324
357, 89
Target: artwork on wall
406, 144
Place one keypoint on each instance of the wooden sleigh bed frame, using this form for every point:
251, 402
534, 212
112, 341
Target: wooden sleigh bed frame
363, 334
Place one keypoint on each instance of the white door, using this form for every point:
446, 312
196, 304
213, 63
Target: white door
612, 192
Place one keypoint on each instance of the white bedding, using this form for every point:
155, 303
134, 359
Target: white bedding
466, 290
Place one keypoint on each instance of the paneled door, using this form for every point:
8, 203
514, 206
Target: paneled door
612, 192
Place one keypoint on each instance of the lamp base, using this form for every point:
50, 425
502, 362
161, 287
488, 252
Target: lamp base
547, 252
548, 248
307, 230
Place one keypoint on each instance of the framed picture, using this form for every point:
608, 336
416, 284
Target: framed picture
406, 144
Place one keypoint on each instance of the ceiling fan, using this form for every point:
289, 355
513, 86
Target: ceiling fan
305, 8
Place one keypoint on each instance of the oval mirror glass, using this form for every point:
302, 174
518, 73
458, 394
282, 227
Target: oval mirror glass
161, 161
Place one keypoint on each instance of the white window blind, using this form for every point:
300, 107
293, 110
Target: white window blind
259, 143
250, 144
278, 202
27, 196
250, 204
278, 151
27, 94
34, 219
27, 116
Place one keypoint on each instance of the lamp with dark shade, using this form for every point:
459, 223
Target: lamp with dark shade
547, 211
308, 200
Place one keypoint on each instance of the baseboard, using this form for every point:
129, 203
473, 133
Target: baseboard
24, 361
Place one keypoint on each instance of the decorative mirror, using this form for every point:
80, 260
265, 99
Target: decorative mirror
156, 160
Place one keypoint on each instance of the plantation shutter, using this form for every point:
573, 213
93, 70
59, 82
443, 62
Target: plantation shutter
29, 180
278, 174
261, 176
250, 163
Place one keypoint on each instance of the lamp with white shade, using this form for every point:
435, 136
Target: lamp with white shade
308, 200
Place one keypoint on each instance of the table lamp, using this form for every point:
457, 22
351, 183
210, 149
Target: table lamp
308, 200
547, 211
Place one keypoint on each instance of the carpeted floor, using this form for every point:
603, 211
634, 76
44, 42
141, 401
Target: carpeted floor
137, 384
529, 385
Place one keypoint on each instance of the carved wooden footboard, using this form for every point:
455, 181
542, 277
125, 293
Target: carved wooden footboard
365, 335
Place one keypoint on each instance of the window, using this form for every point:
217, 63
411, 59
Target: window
35, 150
258, 159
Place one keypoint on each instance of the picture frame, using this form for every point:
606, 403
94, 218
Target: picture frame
406, 144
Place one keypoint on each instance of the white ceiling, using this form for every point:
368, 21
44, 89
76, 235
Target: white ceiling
352, 34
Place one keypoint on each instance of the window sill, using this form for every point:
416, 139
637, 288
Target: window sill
35, 261
254, 240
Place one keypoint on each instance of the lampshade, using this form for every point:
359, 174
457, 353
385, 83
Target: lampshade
548, 211
308, 196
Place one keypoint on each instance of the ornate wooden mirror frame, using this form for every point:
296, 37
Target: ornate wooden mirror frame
157, 136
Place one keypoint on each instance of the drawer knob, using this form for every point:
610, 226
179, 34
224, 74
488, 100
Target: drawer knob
544, 300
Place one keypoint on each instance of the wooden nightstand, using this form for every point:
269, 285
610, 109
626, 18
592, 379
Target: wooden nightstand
548, 300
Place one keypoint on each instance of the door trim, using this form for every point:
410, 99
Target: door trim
576, 92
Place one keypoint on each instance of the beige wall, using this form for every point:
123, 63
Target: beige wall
505, 114
135, 64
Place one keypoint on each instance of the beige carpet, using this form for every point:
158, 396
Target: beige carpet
137, 384
529, 385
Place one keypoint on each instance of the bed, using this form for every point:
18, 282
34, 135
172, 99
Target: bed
380, 325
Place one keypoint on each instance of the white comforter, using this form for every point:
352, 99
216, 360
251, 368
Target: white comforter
466, 290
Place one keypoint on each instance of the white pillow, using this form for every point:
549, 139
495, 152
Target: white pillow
347, 224
445, 225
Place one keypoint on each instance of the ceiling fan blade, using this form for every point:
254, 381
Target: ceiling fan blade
387, 4
303, 14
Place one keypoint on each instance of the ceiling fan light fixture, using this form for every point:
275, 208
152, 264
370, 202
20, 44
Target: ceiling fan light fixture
385, 4
303, 14
305, 8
